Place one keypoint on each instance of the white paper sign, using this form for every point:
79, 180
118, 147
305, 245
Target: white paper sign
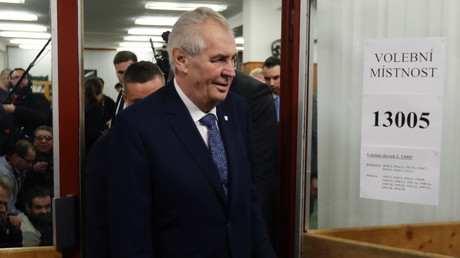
402, 120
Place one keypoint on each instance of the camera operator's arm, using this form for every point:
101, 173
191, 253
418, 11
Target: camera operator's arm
35, 113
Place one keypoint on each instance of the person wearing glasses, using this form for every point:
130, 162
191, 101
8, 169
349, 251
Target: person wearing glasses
42, 171
14, 165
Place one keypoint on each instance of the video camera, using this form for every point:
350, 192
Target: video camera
162, 57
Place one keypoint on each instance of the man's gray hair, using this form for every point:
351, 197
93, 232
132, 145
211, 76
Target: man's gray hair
185, 33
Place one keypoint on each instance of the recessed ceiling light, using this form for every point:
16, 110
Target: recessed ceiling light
18, 16
22, 27
27, 46
143, 38
148, 31
29, 41
156, 21
183, 6
20, 34
12, 1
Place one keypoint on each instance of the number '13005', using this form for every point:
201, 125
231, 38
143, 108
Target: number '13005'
400, 120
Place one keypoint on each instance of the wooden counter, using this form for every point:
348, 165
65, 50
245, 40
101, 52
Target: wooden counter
411, 240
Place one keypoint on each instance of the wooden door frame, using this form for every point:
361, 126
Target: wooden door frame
289, 220
67, 80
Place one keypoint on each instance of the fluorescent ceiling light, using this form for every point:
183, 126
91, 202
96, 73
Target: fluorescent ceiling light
22, 27
183, 6
18, 16
41, 42
140, 44
27, 46
12, 1
239, 40
240, 48
143, 38
29, 35
156, 21
148, 31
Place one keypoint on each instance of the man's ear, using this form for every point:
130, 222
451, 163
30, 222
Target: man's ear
14, 158
27, 207
180, 58
123, 94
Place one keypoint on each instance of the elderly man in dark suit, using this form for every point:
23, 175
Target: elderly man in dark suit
181, 183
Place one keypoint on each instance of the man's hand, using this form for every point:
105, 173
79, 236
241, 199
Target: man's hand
9, 108
15, 222
40, 167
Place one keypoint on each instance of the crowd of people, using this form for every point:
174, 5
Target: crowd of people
26, 162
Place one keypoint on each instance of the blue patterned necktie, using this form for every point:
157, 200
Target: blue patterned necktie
217, 148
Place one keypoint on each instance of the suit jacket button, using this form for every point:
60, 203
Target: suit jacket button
229, 225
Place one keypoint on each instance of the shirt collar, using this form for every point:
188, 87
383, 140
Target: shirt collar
194, 111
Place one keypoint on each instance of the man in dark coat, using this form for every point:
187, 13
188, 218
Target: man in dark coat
29, 110
265, 127
181, 164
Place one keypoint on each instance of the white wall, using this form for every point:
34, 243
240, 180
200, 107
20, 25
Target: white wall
236, 20
262, 26
3, 55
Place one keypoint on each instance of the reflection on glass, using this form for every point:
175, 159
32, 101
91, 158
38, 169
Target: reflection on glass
26, 132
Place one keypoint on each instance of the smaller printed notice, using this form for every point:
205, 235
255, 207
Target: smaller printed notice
405, 175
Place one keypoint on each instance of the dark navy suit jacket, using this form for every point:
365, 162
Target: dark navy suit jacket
95, 185
165, 195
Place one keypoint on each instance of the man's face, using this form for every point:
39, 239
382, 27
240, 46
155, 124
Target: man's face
137, 91
272, 78
40, 209
120, 69
208, 76
15, 76
3, 202
43, 141
23, 162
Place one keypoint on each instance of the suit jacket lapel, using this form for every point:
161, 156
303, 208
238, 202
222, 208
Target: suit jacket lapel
185, 129
227, 130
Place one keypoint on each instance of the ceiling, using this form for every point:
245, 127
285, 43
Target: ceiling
107, 21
